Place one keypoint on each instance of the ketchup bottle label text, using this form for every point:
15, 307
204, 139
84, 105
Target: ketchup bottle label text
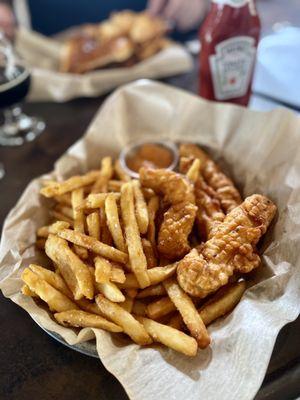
232, 3
231, 67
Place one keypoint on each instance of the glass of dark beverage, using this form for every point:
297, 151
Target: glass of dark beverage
16, 127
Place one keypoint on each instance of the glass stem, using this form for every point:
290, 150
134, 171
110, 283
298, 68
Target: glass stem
12, 115
2, 171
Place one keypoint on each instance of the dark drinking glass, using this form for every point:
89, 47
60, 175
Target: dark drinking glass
16, 127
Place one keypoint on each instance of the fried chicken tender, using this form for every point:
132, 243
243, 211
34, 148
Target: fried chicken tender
209, 214
173, 186
226, 192
175, 229
231, 249
179, 218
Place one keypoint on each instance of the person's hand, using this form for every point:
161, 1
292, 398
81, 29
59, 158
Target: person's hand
185, 14
7, 20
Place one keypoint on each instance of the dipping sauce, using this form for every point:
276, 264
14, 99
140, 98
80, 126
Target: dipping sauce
151, 155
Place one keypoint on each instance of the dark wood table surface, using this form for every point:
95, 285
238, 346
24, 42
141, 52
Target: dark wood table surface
32, 364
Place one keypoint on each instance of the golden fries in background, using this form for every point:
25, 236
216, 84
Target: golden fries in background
107, 269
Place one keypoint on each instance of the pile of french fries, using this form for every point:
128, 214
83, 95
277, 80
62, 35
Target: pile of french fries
104, 270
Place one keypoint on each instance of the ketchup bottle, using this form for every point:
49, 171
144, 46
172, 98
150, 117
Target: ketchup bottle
229, 37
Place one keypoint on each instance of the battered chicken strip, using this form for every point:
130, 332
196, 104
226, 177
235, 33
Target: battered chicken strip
226, 192
173, 186
210, 212
179, 218
231, 249
175, 229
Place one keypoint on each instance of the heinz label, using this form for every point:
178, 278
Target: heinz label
231, 66
232, 3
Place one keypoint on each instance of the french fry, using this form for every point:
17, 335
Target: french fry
52, 278
55, 300
130, 282
75, 273
111, 292
153, 206
61, 217
105, 232
64, 199
156, 275
43, 231
96, 200
56, 251
121, 317
160, 308
114, 186
57, 226
108, 289
93, 245
102, 270
75, 182
93, 225
114, 274
188, 311
170, 337
194, 170
82, 319
27, 291
149, 253
137, 257
139, 308
106, 167
88, 306
81, 252
156, 290
121, 174
141, 210
127, 304
113, 222
222, 302
117, 274
78, 217
65, 210
106, 173
48, 182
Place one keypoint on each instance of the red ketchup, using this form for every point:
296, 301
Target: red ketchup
229, 37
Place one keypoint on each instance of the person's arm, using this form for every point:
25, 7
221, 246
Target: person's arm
184, 14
